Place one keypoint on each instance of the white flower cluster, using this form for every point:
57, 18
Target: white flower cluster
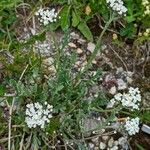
131, 99
132, 125
38, 115
47, 16
146, 5
118, 6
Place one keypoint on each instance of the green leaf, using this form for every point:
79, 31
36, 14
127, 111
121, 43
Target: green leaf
84, 29
2, 90
65, 17
130, 19
75, 19
5, 4
146, 116
128, 31
55, 25
139, 146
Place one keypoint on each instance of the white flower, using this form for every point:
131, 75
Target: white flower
118, 97
131, 99
38, 115
132, 125
46, 16
118, 6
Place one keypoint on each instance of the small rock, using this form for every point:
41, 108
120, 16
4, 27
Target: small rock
51, 69
119, 70
94, 89
95, 140
145, 128
105, 138
72, 45
129, 80
102, 145
48, 61
91, 145
89, 124
91, 46
121, 84
110, 142
81, 41
114, 148
116, 143
74, 35
79, 51
94, 62
122, 141
113, 90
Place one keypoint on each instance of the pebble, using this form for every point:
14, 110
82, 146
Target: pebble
74, 35
91, 46
94, 62
102, 145
145, 128
121, 141
116, 143
114, 148
79, 51
72, 45
121, 84
48, 61
113, 90
129, 80
110, 142
81, 41
105, 138
96, 148
91, 145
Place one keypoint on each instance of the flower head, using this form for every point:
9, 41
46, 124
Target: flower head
132, 125
47, 16
117, 5
131, 99
38, 115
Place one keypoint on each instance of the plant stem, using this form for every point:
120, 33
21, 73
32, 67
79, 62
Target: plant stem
106, 110
9, 124
97, 48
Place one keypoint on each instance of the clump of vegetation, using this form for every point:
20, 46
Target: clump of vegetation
48, 100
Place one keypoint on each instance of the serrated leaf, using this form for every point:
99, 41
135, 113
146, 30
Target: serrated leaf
84, 29
65, 17
75, 19
128, 31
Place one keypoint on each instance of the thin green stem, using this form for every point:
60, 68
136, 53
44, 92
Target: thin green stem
106, 110
97, 48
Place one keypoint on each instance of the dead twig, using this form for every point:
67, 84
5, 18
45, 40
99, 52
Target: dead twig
119, 57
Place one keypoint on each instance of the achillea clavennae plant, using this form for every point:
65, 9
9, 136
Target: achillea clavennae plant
117, 5
47, 16
38, 115
132, 125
